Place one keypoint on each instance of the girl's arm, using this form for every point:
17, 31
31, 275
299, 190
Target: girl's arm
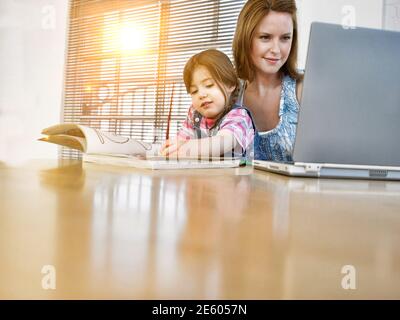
171, 146
185, 133
214, 146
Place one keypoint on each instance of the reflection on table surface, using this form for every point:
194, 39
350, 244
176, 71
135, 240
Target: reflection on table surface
203, 234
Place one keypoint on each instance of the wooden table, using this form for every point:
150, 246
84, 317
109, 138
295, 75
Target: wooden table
120, 233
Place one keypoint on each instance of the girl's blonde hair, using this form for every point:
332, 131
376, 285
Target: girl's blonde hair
221, 69
249, 18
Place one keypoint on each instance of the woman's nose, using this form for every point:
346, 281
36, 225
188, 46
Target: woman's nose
275, 47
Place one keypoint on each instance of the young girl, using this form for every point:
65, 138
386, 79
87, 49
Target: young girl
265, 53
214, 126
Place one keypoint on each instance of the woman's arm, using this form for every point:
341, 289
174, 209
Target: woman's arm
214, 146
299, 90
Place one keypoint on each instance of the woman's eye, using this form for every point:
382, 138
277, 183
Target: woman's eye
210, 85
287, 38
264, 37
193, 92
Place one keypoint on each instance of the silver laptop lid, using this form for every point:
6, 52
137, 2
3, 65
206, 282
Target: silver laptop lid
350, 107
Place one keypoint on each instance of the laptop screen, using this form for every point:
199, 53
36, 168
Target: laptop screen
350, 108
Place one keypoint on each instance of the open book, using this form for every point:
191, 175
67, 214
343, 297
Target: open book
107, 148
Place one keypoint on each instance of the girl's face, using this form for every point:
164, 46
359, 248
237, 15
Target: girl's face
272, 41
207, 97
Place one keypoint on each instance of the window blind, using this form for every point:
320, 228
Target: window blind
126, 57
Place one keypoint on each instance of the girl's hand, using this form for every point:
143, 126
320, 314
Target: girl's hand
170, 147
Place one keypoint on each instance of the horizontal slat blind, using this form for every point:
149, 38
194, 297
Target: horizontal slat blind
124, 58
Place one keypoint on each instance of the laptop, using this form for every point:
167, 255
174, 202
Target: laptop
349, 119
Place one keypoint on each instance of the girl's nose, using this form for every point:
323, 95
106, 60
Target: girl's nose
202, 93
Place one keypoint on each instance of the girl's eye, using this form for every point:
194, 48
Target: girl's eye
264, 37
286, 38
210, 85
193, 92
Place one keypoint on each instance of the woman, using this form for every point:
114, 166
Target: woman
265, 53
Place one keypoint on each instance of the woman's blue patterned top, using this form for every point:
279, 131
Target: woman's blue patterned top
277, 144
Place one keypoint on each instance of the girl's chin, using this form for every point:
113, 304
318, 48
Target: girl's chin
208, 113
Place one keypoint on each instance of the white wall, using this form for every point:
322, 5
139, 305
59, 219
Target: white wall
32, 52
367, 13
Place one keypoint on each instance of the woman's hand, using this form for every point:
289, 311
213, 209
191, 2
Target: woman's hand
171, 146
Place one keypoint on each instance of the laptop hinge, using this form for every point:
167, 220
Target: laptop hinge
310, 167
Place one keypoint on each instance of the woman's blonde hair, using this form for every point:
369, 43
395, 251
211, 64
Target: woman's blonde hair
221, 69
250, 16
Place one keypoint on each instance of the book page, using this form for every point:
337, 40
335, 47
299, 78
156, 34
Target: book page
105, 142
94, 141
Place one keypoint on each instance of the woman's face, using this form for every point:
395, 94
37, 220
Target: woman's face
272, 41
